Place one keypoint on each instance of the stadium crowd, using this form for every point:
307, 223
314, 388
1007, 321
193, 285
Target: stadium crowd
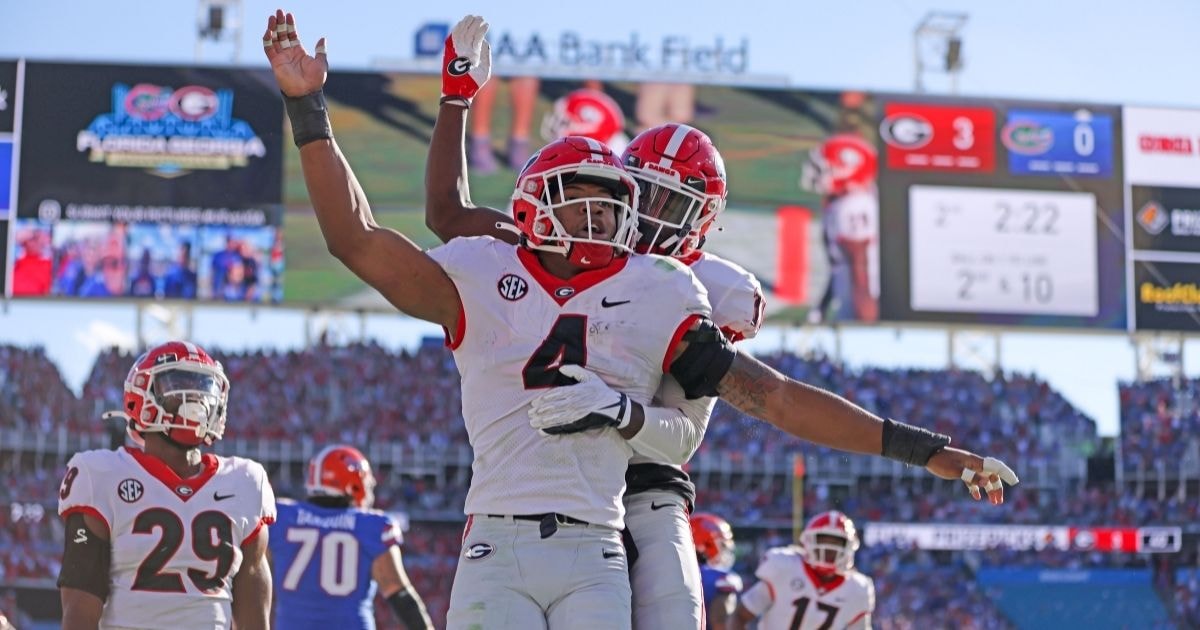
373, 394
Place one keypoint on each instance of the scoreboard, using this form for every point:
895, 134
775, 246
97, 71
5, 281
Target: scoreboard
1002, 213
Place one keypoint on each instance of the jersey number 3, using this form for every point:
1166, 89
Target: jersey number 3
566, 344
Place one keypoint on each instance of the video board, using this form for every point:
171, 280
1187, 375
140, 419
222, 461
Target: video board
849, 206
148, 183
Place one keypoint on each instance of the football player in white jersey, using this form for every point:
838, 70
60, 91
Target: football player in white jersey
542, 546
812, 586
682, 185
165, 536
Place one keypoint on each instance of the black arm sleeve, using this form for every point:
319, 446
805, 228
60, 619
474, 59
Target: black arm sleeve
410, 609
911, 445
704, 362
87, 559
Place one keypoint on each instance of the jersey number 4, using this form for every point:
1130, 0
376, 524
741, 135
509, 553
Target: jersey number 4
566, 344
212, 540
338, 565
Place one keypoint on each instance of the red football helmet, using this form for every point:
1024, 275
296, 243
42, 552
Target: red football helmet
539, 194
588, 113
683, 187
341, 471
714, 539
823, 554
843, 163
176, 388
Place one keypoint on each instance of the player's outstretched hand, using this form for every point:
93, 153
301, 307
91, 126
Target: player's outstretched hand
466, 61
296, 72
977, 472
588, 404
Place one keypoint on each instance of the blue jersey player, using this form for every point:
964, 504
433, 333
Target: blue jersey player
332, 552
714, 549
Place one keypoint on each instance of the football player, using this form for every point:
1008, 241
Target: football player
812, 585
842, 170
163, 535
682, 189
714, 549
542, 543
332, 552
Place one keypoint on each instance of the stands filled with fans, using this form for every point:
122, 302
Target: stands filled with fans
404, 405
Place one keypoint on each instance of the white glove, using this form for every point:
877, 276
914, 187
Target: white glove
588, 404
466, 61
991, 467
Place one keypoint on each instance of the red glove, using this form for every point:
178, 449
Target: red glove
467, 61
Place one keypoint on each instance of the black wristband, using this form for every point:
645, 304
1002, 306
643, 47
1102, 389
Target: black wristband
309, 116
909, 444
410, 609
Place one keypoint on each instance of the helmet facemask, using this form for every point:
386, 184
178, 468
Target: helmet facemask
828, 552
590, 249
184, 401
672, 216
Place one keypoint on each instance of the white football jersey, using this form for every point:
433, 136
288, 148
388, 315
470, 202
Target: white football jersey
176, 543
787, 596
737, 309
519, 324
853, 217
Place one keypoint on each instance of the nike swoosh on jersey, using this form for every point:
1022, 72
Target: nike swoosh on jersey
606, 304
221, 497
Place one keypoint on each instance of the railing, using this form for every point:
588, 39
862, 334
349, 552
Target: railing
452, 463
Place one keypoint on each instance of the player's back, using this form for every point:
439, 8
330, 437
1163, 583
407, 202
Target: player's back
718, 582
803, 601
321, 564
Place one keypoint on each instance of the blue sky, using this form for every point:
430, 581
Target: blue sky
1131, 53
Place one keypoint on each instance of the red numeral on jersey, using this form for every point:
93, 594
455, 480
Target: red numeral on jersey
67, 482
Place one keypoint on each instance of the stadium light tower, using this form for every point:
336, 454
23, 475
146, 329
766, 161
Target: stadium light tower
937, 47
219, 21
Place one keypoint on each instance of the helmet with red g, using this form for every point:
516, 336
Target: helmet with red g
178, 390
541, 194
584, 112
341, 471
683, 187
842, 164
714, 539
829, 542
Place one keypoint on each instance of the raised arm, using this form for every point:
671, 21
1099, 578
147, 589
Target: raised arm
706, 364
383, 258
466, 65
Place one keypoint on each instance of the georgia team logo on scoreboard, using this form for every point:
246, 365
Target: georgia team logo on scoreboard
1076, 143
170, 132
939, 138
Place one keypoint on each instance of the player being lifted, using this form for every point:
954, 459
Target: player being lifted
813, 585
165, 536
714, 550
542, 544
682, 184
332, 552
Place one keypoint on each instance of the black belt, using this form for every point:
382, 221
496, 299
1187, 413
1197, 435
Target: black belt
561, 519
550, 521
